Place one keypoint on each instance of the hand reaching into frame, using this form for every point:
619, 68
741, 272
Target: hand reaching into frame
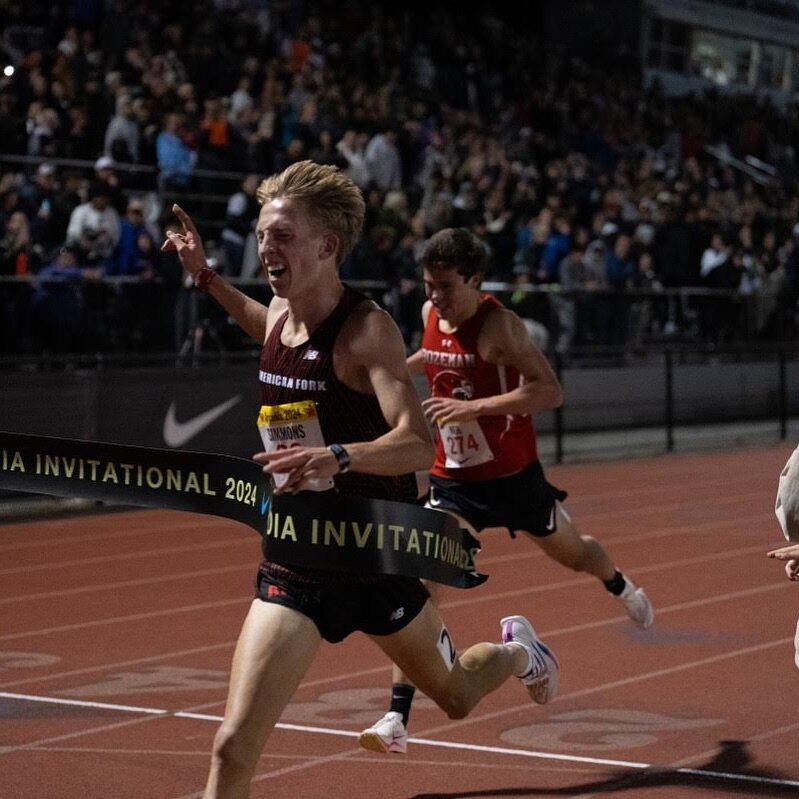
790, 555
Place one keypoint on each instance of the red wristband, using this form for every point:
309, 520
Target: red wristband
204, 277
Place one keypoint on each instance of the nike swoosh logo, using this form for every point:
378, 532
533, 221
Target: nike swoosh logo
176, 433
551, 524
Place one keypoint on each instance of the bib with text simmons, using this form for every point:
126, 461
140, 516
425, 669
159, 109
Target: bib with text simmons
295, 424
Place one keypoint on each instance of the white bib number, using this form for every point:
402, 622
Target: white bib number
464, 444
295, 424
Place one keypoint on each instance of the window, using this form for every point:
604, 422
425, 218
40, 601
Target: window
724, 60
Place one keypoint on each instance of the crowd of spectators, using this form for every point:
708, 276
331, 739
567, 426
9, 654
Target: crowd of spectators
578, 179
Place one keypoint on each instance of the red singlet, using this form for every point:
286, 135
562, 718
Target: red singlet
490, 446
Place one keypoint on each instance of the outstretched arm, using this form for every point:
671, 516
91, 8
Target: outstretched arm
250, 315
790, 556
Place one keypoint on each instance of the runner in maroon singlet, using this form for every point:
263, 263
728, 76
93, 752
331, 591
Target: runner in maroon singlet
335, 360
486, 379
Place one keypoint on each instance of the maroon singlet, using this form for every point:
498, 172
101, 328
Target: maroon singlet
291, 374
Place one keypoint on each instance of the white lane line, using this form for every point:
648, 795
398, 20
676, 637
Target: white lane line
134, 528
87, 625
224, 543
495, 750
137, 583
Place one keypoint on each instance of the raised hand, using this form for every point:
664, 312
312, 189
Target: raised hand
188, 244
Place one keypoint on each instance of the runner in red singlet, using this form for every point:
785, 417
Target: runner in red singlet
335, 359
486, 380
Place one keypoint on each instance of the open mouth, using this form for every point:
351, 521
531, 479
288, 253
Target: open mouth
275, 271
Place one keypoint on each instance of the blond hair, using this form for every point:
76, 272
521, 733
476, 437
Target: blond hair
332, 200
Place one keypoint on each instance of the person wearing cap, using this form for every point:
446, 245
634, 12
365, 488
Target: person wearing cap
787, 510
106, 174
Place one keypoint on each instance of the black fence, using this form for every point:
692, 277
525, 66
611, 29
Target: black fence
669, 395
131, 321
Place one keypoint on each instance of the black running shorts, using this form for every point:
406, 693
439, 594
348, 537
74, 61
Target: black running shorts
522, 501
341, 604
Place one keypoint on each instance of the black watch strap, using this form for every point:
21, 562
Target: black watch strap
342, 456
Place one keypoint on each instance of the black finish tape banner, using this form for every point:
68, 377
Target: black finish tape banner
316, 530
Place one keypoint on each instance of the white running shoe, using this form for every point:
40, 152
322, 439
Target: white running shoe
542, 678
637, 604
386, 735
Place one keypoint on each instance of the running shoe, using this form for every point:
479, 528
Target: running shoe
637, 604
541, 679
386, 735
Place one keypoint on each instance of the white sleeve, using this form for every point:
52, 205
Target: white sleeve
787, 504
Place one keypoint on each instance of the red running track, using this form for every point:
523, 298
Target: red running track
116, 633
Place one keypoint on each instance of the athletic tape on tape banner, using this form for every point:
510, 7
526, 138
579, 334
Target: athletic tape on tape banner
318, 530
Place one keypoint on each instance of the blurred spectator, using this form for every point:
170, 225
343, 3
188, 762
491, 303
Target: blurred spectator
574, 279
240, 217
175, 159
107, 176
715, 255
642, 317
136, 256
122, 134
47, 209
325, 152
714, 273
241, 99
94, 228
133, 251
383, 158
465, 206
352, 147
615, 305
394, 213
533, 307
43, 130
556, 247
590, 301
17, 259
78, 142
13, 135
57, 306
215, 136
15, 246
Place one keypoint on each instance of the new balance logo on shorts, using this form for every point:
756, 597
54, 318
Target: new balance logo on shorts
397, 614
